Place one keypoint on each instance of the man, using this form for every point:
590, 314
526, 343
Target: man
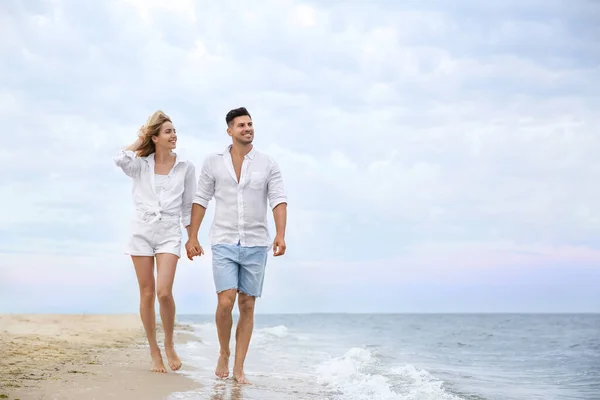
241, 179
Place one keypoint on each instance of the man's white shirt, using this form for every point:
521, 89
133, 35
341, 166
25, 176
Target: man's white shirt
241, 208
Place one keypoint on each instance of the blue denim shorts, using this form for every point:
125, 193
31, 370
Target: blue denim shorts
241, 268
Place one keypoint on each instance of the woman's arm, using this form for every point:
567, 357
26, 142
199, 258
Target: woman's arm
127, 160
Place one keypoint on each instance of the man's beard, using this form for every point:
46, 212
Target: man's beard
244, 140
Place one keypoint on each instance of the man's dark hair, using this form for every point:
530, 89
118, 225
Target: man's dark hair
237, 112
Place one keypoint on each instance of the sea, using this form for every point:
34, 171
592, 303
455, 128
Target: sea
404, 357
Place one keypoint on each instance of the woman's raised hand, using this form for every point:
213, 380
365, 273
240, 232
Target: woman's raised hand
142, 132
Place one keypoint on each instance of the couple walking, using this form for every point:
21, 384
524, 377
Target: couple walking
166, 194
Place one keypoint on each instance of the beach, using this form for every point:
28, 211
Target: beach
309, 357
82, 357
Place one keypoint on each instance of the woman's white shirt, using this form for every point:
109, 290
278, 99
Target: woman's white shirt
173, 201
161, 183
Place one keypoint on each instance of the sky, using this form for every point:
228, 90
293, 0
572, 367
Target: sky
437, 156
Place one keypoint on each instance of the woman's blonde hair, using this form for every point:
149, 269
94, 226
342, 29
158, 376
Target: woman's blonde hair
151, 128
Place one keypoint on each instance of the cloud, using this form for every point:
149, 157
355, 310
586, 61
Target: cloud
402, 130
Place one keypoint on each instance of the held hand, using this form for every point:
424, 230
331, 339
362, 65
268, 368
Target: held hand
193, 248
278, 246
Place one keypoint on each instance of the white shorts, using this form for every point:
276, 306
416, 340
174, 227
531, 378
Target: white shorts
151, 238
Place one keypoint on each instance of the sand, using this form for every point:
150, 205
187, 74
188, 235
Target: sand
81, 357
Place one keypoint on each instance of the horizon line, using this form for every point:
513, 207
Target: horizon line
332, 313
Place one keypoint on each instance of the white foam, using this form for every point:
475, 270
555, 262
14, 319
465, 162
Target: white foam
208, 327
279, 331
356, 376
421, 385
209, 331
194, 345
347, 375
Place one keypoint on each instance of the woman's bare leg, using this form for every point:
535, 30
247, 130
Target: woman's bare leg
166, 264
144, 269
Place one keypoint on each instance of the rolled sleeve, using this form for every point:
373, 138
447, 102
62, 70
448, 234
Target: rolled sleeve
188, 194
275, 190
128, 162
206, 185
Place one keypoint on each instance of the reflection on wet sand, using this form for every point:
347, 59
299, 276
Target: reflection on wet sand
220, 391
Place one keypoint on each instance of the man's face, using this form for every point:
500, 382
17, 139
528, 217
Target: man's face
242, 130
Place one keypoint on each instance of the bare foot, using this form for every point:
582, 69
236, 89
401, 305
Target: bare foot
157, 362
172, 358
240, 377
222, 370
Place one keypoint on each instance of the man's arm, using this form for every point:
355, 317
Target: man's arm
278, 202
192, 246
198, 213
280, 216
205, 190
204, 193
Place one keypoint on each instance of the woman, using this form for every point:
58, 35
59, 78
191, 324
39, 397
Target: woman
163, 189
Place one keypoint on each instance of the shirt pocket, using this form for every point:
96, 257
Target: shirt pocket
257, 180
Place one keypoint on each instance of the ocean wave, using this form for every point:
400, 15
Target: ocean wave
357, 375
210, 329
279, 331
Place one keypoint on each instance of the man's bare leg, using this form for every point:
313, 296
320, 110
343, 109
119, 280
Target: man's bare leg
144, 270
243, 334
224, 322
166, 265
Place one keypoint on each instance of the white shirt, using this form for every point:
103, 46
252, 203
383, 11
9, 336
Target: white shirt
241, 209
161, 182
174, 201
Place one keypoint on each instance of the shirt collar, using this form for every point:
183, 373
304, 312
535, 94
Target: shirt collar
250, 154
178, 159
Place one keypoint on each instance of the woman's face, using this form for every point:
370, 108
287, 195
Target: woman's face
167, 136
